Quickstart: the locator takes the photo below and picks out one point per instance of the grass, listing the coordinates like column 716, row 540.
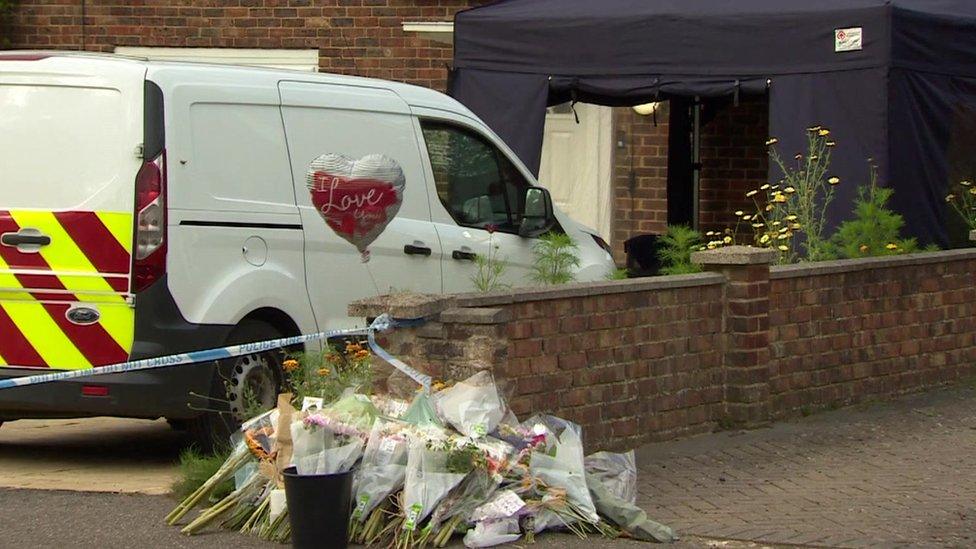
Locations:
column 195, row 468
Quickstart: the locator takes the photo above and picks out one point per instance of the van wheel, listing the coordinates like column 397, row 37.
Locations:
column 241, row 387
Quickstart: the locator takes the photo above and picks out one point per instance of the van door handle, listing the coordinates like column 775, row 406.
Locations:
column 25, row 239
column 464, row 256
column 410, row 249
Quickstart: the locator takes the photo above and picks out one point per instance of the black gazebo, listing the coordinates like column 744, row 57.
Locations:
column 894, row 80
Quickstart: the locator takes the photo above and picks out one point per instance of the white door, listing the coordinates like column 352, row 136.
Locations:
column 479, row 198
column 576, row 163
column 358, row 122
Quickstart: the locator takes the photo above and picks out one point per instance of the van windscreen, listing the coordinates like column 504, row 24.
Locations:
column 64, row 147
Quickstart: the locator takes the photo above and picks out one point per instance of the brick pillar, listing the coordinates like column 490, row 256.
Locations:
column 454, row 343
column 746, row 324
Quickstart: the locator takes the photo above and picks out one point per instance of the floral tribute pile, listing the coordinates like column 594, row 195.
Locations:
column 455, row 462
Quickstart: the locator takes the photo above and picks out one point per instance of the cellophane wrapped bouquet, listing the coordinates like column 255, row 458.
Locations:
column 452, row 462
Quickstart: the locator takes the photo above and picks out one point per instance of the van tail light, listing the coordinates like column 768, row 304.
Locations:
column 149, row 249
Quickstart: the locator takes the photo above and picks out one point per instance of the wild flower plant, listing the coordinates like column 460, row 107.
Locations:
column 962, row 199
column 491, row 266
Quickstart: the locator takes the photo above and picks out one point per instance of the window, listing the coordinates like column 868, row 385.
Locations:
column 477, row 184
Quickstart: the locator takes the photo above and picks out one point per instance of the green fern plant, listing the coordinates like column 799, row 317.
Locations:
column 556, row 259
column 874, row 230
column 675, row 248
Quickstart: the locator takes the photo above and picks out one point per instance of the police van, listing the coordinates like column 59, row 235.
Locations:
column 152, row 208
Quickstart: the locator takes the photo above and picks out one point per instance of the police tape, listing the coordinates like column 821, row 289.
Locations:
column 382, row 323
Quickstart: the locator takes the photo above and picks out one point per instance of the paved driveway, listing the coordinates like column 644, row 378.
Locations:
column 892, row 474
column 895, row 474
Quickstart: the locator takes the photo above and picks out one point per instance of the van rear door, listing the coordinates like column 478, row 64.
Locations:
column 70, row 135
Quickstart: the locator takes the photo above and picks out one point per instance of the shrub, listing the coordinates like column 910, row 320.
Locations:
column 675, row 248
column 874, row 230
column 555, row 259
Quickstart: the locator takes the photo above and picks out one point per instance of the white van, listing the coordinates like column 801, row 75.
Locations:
column 149, row 208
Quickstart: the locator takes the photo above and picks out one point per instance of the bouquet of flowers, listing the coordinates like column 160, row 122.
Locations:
column 473, row 406
column 381, row 474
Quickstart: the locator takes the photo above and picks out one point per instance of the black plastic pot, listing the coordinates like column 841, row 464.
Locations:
column 318, row 509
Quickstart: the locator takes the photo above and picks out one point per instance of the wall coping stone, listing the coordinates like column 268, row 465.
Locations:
column 817, row 268
column 402, row 305
column 735, row 255
column 972, row 235
column 588, row 289
column 471, row 315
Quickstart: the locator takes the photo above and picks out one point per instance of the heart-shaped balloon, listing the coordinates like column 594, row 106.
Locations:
column 357, row 198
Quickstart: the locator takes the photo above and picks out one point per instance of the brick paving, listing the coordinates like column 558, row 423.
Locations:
column 892, row 474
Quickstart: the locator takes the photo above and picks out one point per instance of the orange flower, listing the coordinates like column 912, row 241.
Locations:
column 290, row 365
column 361, row 354
column 324, row 371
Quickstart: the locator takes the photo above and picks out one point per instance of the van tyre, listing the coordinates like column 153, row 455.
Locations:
column 238, row 384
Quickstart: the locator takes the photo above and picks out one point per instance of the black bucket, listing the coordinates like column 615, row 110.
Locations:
column 318, row 509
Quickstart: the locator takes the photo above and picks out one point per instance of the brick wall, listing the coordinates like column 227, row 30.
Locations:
column 734, row 161
column 844, row 332
column 653, row 359
column 362, row 37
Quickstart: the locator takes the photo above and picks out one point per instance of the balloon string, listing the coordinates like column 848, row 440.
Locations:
column 371, row 277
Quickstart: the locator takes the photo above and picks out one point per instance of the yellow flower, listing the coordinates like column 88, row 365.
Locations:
column 727, row 240
column 438, row 385
column 739, row 213
column 779, row 197
column 758, row 225
column 795, row 226
column 290, row 365
column 833, row 180
column 775, row 223
column 769, row 207
column 823, row 132
column 784, row 236
column 892, row 246
column 814, row 129
column 752, row 193
column 830, row 144
column 783, row 230
column 789, row 190
column 746, row 217
column 324, row 371
column 772, row 141
column 972, row 190
column 783, row 248
column 798, row 157
column 864, row 248
column 950, row 197
column 764, row 187
column 965, row 183
column 710, row 233
column 814, row 158
column 791, row 218
column 764, row 239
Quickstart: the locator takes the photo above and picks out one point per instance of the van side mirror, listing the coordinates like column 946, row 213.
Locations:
column 537, row 216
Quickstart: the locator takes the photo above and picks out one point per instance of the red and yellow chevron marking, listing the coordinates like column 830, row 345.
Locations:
column 87, row 262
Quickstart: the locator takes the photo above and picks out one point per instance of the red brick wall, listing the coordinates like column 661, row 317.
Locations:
column 653, row 359
column 363, row 37
column 734, row 161
column 640, row 176
column 841, row 335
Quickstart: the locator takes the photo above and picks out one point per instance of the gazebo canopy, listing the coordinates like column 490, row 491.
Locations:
column 894, row 80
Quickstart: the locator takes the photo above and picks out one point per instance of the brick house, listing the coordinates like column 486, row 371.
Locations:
column 610, row 170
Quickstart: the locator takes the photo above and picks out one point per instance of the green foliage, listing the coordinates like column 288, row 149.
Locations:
column 196, row 468
column 491, row 267
column 807, row 192
column 962, row 199
column 874, row 230
column 556, row 258
column 618, row 274
column 675, row 248
column 328, row 373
